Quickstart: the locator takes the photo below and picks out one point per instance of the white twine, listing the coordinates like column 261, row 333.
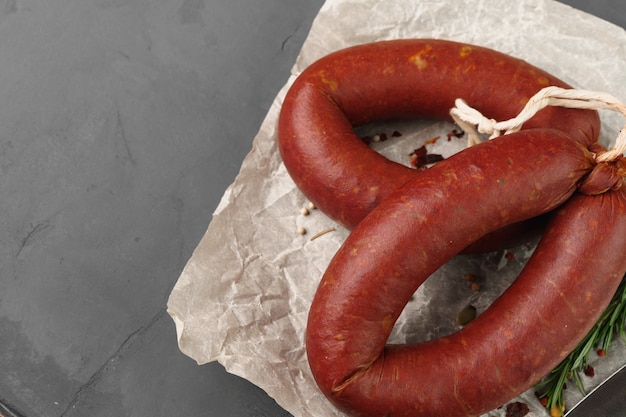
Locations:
column 473, row 122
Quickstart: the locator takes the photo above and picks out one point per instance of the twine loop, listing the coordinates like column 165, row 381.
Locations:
column 474, row 123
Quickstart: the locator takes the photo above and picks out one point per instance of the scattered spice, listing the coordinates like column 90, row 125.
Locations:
column 601, row 352
column 379, row 137
column 590, row 371
column 429, row 159
column 420, row 157
column 466, row 315
column 312, row 206
column 470, row 277
column 418, row 152
column 432, row 140
column 304, row 211
column 323, row 232
column 455, row 133
column 301, row 230
column 510, row 256
column 517, row 409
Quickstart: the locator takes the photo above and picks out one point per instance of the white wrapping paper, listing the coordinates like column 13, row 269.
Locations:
column 243, row 297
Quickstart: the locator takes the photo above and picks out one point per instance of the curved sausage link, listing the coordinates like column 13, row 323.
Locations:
column 399, row 79
column 557, row 298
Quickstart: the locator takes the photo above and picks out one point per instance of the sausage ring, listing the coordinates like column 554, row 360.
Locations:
column 398, row 79
column 553, row 303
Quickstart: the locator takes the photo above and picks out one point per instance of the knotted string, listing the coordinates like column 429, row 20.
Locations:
column 474, row 123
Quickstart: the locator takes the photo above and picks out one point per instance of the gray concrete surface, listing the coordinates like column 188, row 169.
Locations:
column 122, row 122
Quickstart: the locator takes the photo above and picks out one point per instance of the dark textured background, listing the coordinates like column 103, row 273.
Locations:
column 122, row 122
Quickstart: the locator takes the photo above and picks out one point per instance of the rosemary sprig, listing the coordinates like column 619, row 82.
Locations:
column 611, row 322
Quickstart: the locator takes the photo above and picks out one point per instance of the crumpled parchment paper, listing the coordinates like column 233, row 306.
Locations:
column 244, row 295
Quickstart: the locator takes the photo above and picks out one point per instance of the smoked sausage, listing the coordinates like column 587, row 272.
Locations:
column 557, row 298
column 398, row 79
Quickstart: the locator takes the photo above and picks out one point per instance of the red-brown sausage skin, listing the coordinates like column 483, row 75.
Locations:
column 553, row 303
column 399, row 79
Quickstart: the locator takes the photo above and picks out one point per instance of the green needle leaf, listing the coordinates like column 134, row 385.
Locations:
column 600, row 337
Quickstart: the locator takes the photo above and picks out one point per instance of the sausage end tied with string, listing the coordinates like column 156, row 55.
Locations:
column 474, row 123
